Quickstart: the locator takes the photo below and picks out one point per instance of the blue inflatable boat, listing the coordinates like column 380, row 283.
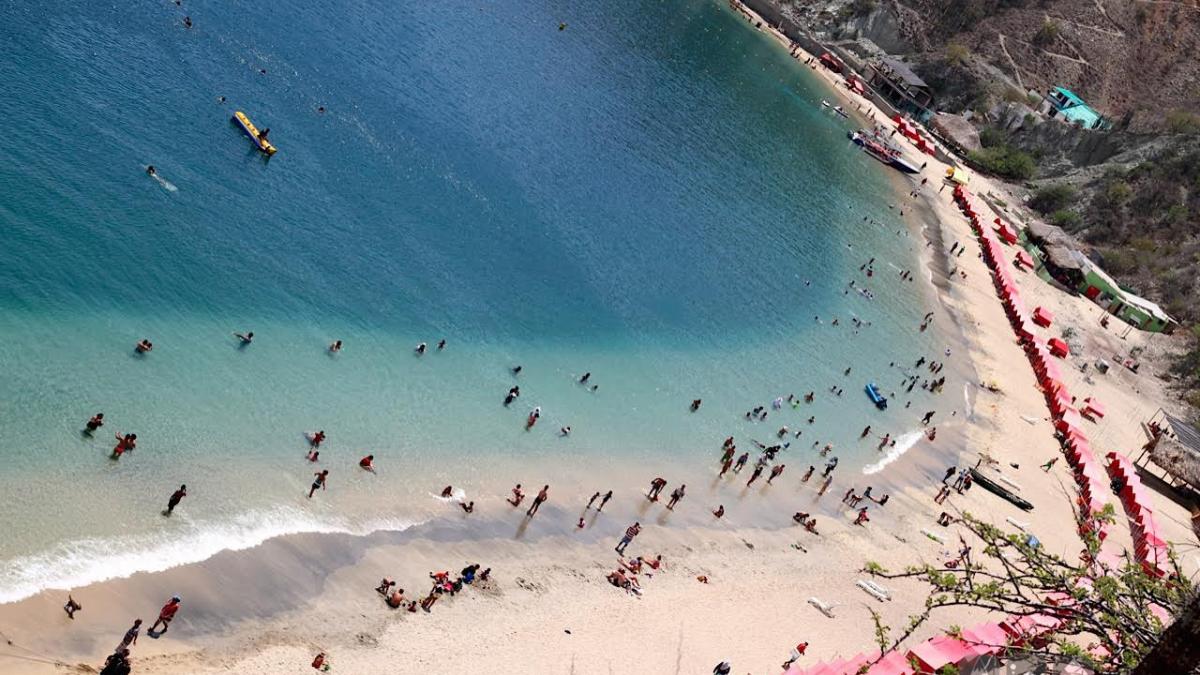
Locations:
column 878, row 399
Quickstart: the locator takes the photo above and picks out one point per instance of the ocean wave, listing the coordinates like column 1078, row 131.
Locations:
column 87, row 561
column 894, row 452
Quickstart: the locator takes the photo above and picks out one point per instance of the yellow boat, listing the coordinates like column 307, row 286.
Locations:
column 247, row 126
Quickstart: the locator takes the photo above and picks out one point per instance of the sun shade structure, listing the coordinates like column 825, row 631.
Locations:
column 1043, row 317
column 1058, row 347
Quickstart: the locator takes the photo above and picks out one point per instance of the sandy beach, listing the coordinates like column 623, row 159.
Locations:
column 548, row 607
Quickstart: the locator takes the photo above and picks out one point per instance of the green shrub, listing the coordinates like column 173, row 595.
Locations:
column 990, row 137
column 1053, row 198
column 1118, row 192
column 1183, row 122
column 1047, row 34
column 957, row 54
column 1068, row 220
column 1005, row 162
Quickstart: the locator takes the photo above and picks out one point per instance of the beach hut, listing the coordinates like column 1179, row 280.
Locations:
column 959, row 176
column 1043, row 317
column 1058, row 347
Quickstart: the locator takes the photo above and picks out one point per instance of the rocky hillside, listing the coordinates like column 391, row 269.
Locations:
column 1135, row 61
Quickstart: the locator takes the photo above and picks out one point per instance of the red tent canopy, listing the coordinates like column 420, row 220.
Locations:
column 1070, row 421
column 894, row 663
column 1043, row 317
column 1057, row 347
column 938, row 652
column 1023, row 258
column 1007, row 233
column 1093, row 407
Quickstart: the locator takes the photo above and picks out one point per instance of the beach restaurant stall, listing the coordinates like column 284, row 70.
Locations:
column 1174, row 448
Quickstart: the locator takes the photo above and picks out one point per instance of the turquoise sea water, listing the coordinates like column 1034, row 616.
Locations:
column 642, row 195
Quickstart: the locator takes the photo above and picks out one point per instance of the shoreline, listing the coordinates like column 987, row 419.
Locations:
column 282, row 551
column 271, row 607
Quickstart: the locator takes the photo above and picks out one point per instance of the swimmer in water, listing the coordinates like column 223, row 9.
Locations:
column 150, row 171
column 565, row 431
column 335, row 347
column 447, row 492
column 533, row 418
column 317, row 438
column 143, row 346
column 420, row 349
column 367, row 463
column 95, row 423
column 313, row 455
column 245, row 339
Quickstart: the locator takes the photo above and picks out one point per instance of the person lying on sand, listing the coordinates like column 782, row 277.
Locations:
column 384, row 586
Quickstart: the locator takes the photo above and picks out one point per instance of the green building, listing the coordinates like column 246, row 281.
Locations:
column 1061, row 262
column 1067, row 105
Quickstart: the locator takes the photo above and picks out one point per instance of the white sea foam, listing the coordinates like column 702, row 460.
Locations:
column 894, row 452
column 87, row 561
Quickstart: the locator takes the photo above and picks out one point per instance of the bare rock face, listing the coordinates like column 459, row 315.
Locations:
column 1135, row 62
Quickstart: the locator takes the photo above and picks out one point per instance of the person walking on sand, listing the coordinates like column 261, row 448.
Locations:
column 630, row 532
column 607, row 496
column 928, row 416
column 175, row 499
column 824, row 487
column 676, row 496
column 775, row 473
column 131, row 636
column 808, row 474
column 949, row 473
column 542, row 496
column 656, row 487
column 166, row 614
column 71, row 607
column 862, row 516
column 1049, row 465
column 797, row 652
column 591, row 501
column 318, row 481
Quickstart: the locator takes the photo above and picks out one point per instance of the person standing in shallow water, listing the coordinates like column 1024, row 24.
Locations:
column 318, row 482
column 176, row 497
column 542, row 496
column 676, row 495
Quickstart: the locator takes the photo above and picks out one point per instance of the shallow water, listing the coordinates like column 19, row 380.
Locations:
column 642, row 195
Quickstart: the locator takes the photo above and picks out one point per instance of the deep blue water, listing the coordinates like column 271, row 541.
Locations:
column 643, row 194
